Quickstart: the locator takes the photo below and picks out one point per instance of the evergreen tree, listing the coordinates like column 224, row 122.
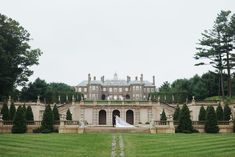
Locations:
column 163, row 116
column 29, row 114
column 220, row 113
column 68, row 115
column 5, row 112
column 202, row 114
column 227, row 112
column 48, row 119
column 24, row 109
column 185, row 123
column 56, row 113
column 211, row 121
column 19, row 122
column 12, row 111
column 176, row 113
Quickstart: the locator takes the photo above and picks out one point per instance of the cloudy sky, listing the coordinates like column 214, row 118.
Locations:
column 130, row 37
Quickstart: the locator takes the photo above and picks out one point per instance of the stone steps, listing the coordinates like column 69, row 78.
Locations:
column 115, row 130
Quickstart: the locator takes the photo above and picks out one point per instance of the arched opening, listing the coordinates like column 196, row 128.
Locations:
column 103, row 97
column 127, row 96
column 102, row 117
column 130, row 117
column 115, row 113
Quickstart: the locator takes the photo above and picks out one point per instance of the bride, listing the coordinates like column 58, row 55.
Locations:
column 122, row 124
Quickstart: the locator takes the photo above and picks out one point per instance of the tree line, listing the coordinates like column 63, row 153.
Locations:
column 201, row 87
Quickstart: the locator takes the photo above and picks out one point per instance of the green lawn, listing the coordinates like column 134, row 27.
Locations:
column 99, row 145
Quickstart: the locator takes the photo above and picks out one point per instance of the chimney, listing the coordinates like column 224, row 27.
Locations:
column 89, row 78
column 153, row 80
column 128, row 79
column 136, row 78
column 102, row 79
column 94, row 78
column 141, row 78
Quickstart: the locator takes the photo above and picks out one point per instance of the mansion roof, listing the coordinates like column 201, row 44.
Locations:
column 115, row 83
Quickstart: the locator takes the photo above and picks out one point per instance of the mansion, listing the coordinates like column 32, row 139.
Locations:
column 116, row 89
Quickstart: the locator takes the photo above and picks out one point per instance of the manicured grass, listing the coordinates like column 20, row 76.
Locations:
column 55, row 145
column 99, row 145
column 180, row 145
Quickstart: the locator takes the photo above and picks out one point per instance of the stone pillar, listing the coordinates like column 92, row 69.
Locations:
column 9, row 101
column 73, row 100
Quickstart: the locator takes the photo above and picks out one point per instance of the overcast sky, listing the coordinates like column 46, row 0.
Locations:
column 129, row 37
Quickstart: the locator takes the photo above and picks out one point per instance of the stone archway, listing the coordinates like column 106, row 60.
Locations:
column 115, row 113
column 130, row 117
column 103, row 97
column 127, row 96
column 102, row 117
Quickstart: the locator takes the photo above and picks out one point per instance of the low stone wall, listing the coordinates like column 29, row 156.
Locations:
column 30, row 128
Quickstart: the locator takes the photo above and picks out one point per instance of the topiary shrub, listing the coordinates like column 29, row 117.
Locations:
column 227, row 112
column 5, row 112
column 176, row 113
column 185, row 123
column 202, row 114
column 12, row 111
column 19, row 122
column 220, row 113
column 48, row 119
column 56, row 114
column 211, row 125
column 68, row 115
column 29, row 114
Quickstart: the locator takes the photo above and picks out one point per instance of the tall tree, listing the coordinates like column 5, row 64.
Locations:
column 227, row 112
column 48, row 119
column 224, row 23
column 56, row 113
column 12, row 111
column 68, row 115
column 217, row 45
column 211, row 125
column 202, row 114
column 220, row 113
column 5, row 112
column 19, row 122
column 16, row 55
column 185, row 123
column 176, row 113
column 163, row 116
column 29, row 114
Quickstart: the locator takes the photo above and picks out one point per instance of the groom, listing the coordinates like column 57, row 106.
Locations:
column 114, row 120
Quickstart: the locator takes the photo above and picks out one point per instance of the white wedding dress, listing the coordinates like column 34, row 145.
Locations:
column 122, row 124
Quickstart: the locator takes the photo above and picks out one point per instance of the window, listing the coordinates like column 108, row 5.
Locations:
column 120, row 90
column 79, row 89
column 85, row 89
column 152, row 89
column 126, row 89
column 115, row 89
column 93, row 88
column 110, row 89
column 104, row 89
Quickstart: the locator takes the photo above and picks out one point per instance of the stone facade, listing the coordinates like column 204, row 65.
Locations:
column 116, row 89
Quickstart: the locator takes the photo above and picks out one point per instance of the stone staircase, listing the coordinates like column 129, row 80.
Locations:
column 106, row 129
